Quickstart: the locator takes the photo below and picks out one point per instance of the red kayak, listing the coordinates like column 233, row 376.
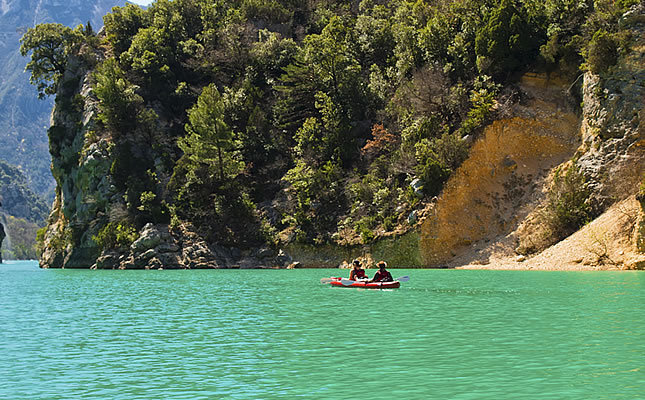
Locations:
column 366, row 285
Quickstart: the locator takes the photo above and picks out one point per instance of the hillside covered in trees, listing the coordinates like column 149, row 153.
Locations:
column 222, row 127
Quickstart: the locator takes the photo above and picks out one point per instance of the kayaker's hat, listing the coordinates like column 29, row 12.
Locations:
column 356, row 262
column 382, row 264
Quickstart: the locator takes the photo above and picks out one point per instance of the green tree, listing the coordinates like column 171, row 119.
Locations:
column 602, row 52
column 210, row 139
column 505, row 44
column 51, row 46
column 118, row 100
column 337, row 69
column 122, row 24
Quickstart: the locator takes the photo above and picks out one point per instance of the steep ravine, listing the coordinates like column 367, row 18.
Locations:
column 496, row 186
column 492, row 201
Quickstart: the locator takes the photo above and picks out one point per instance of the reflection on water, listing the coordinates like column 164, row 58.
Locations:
column 281, row 334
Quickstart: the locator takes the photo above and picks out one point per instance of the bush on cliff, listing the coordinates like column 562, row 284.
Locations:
column 116, row 235
column 602, row 52
column 567, row 205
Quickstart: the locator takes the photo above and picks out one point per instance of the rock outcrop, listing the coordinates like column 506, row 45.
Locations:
column 2, row 236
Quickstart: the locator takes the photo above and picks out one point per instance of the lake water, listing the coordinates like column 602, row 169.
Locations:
column 280, row 334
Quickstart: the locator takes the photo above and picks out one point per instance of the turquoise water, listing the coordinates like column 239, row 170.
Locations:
column 280, row 334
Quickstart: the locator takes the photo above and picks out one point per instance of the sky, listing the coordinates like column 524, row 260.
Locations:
column 142, row 2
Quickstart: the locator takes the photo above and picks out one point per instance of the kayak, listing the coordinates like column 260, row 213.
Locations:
column 366, row 285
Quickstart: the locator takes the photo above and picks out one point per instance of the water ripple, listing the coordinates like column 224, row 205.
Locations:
column 280, row 334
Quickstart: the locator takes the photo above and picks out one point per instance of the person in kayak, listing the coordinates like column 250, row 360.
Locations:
column 382, row 275
column 357, row 272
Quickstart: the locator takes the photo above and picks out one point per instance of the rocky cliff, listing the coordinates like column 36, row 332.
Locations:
column 487, row 211
column 23, row 117
column 88, row 200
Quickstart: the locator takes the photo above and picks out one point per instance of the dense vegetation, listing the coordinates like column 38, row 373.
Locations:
column 309, row 118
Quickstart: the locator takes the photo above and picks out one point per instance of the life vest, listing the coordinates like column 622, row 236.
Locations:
column 382, row 277
column 357, row 274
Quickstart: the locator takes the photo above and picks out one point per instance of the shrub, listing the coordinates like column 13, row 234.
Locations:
column 437, row 158
column 118, row 100
column 364, row 227
column 505, row 44
column 602, row 52
column 116, row 235
column 567, row 205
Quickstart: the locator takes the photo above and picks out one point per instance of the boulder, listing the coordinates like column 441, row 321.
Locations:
column 149, row 238
column 417, row 187
column 141, row 260
column 169, row 260
column 283, row 259
column 108, row 260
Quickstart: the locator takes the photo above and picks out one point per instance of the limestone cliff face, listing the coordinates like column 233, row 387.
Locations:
column 80, row 167
column 87, row 198
column 488, row 195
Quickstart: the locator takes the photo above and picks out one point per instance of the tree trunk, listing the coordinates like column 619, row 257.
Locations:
column 221, row 163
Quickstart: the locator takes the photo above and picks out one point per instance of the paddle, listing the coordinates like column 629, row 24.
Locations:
column 327, row 280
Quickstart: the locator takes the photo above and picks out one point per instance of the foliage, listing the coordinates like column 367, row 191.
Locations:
column 40, row 240
column 482, row 99
column 122, row 24
column 210, row 140
column 382, row 142
column 23, row 239
column 116, row 235
column 50, row 46
column 249, row 117
column 437, row 158
column 506, row 42
column 567, row 205
column 117, row 97
column 602, row 52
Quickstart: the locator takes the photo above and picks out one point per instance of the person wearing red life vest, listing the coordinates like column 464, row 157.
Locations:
column 357, row 272
column 382, row 275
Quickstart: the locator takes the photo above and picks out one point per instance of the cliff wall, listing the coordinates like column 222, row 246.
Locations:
column 487, row 208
